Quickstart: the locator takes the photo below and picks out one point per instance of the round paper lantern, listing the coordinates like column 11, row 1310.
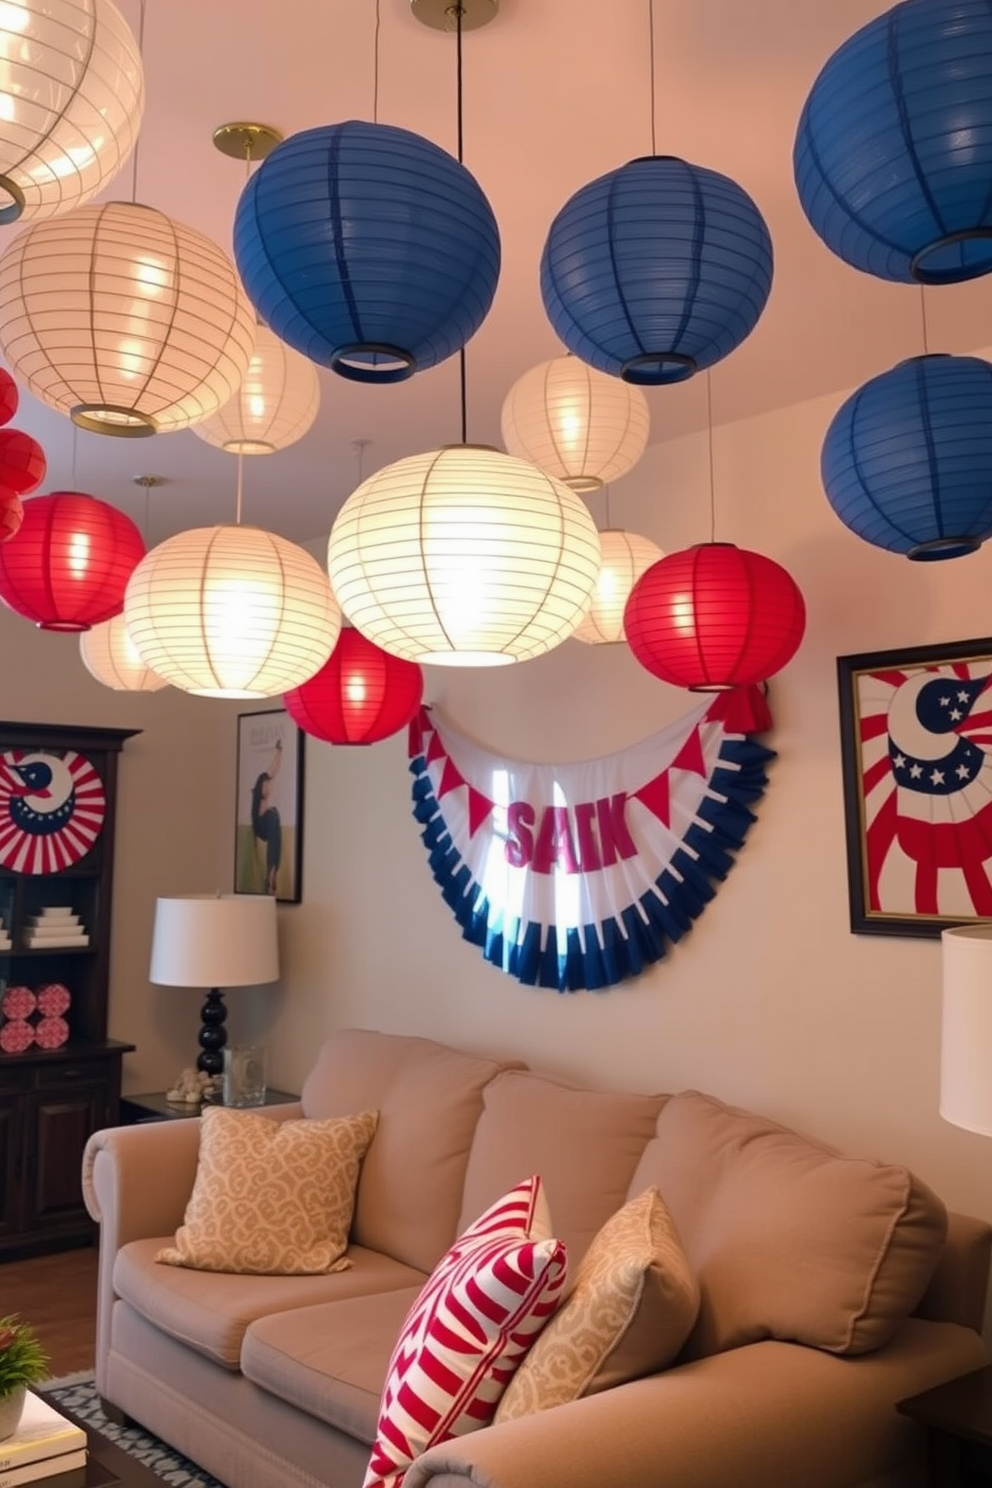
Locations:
column 575, row 423
column 23, row 466
column 9, row 397
column 367, row 248
column 110, row 655
column 124, row 319
column 360, row 695
column 231, row 612
column 11, row 514
column 714, row 617
column 68, row 566
column 71, row 99
column 626, row 555
column 907, row 459
column 275, row 405
column 893, row 154
column 464, row 557
column 656, row 270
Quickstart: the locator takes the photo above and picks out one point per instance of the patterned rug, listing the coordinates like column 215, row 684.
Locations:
column 77, row 1393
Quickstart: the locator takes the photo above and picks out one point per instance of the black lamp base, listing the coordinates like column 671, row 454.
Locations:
column 213, row 1034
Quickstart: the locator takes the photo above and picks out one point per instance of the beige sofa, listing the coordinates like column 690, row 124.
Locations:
column 818, row 1308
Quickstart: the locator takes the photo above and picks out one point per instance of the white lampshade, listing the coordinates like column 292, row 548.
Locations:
column 463, row 556
column 579, row 425
column 231, row 612
column 123, row 319
column 71, row 98
column 966, row 1028
column 215, row 940
column 275, row 405
column 110, row 655
column 626, row 555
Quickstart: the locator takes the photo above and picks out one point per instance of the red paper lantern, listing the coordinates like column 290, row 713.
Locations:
column 11, row 514
column 22, row 461
column 9, row 396
column 360, row 695
column 713, row 617
column 68, row 567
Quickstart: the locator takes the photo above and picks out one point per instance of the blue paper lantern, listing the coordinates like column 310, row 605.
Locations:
column 656, row 270
column 907, row 460
column 893, row 154
column 367, row 248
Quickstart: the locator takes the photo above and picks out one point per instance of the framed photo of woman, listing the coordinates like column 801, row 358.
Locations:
column 268, row 847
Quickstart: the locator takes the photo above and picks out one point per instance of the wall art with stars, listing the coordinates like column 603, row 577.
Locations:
column 916, row 744
column 52, row 809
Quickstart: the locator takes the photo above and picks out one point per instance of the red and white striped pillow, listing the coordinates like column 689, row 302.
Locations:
column 468, row 1330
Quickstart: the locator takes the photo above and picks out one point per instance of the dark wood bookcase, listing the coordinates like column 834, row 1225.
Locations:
column 52, row 1099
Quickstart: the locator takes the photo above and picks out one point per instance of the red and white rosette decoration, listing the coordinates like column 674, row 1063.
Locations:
column 51, row 1033
column 53, row 999
column 16, row 1035
column 52, row 809
column 18, row 1002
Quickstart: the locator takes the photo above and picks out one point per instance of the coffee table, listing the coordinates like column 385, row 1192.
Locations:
column 107, row 1463
column 958, row 1418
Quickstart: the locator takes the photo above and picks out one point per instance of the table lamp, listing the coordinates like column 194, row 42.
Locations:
column 214, row 941
column 966, row 1030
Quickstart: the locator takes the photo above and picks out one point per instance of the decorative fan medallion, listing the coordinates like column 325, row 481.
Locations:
column 52, row 809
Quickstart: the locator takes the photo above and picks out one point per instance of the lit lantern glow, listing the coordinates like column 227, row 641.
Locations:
column 69, row 564
column 124, row 320
column 11, row 514
column 360, row 695
column 275, row 405
column 111, row 657
column 464, row 556
column 575, row 423
column 231, row 612
column 626, row 555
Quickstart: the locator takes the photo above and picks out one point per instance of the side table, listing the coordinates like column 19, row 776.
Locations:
column 155, row 1107
column 958, row 1418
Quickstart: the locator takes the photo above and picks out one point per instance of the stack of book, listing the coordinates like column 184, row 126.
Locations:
column 45, row 1445
column 54, row 927
column 5, row 941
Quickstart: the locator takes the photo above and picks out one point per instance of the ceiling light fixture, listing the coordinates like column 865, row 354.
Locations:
column 361, row 694
column 111, row 657
column 275, row 406
column 626, row 555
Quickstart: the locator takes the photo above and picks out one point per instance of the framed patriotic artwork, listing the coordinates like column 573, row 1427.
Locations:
column 269, row 815
column 916, row 748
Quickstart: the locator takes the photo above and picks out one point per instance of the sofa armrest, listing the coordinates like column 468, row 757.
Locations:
column 765, row 1413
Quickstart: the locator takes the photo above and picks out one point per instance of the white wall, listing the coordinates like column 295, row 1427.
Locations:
column 770, row 1001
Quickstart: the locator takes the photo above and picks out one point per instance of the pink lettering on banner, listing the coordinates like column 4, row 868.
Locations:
column 589, row 836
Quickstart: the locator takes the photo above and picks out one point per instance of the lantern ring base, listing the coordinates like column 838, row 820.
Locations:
column 925, row 266
column 66, row 627
column 713, row 686
column 583, row 483
column 943, row 547
column 15, row 207
column 113, row 418
column 350, row 362
column 655, row 368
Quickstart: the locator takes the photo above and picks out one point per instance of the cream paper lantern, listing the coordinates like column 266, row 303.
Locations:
column 110, row 655
column 124, row 319
column 275, row 405
column 231, row 611
column 464, row 556
column 72, row 93
column 581, row 426
column 626, row 555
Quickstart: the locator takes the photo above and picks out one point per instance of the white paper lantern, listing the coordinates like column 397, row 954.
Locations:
column 110, row 655
column 464, row 556
column 275, row 405
column 124, row 319
column 581, row 426
column 71, row 98
column 626, row 555
column 231, row 612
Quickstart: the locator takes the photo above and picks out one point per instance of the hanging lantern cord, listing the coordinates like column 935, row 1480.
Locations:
column 654, row 144
column 134, row 153
column 463, row 389
column 923, row 317
column 241, row 464
column 375, row 67
column 709, row 427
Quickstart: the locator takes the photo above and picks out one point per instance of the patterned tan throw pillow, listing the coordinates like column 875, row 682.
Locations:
column 631, row 1309
column 272, row 1198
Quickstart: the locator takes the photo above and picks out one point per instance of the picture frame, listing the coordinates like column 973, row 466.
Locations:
column 268, row 838
column 917, row 775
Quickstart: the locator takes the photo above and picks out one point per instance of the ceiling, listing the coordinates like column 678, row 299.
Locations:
column 556, row 92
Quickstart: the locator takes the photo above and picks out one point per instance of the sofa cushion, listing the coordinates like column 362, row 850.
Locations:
column 210, row 1310
column 429, row 1098
column 584, row 1143
column 271, row 1198
column 629, row 1312
column 788, row 1238
column 469, row 1328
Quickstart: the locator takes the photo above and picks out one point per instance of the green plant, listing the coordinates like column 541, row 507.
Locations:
column 23, row 1361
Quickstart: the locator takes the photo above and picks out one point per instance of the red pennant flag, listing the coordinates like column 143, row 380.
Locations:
column 479, row 807
column 656, row 797
column 451, row 778
column 690, row 756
